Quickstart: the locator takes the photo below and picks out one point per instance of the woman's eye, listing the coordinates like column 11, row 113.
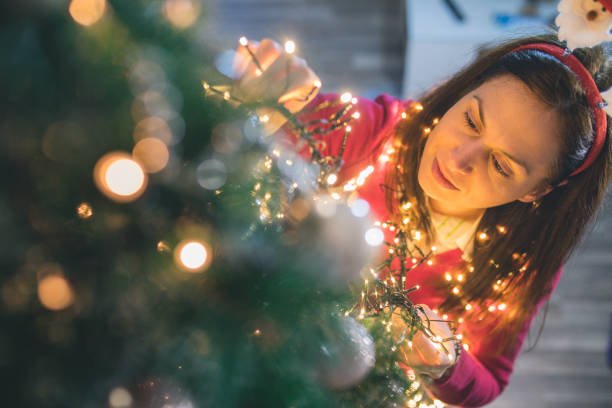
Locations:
column 469, row 122
column 499, row 168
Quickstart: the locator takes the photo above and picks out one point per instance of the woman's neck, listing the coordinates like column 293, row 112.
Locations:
column 450, row 210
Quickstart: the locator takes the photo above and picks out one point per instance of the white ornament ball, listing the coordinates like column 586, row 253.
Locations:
column 349, row 358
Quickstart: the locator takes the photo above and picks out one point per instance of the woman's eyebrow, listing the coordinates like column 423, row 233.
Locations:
column 480, row 111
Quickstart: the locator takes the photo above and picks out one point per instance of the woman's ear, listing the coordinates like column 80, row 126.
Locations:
column 537, row 193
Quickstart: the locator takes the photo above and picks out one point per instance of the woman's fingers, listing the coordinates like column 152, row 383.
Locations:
column 303, row 86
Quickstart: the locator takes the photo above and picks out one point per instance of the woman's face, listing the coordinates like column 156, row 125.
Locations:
column 496, row 145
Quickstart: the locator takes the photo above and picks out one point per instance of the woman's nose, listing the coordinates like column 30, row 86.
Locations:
column 464, row 156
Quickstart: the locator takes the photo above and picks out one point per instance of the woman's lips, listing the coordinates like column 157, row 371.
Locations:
column 437, row 173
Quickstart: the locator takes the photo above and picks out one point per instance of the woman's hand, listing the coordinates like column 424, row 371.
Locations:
column 265, row 72
column 423, row 354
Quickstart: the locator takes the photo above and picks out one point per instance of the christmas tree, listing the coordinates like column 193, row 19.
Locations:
column 157, row 250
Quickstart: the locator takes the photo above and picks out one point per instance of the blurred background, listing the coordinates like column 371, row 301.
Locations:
column 403, row 48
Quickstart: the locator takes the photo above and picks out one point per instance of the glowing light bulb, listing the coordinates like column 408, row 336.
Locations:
column 243, row 41
column 346, row 97
column 289, row 47
column 468, row 307
column 192, row 256
column 87, row 12
column 317, row 83
column 120, row 177
column 84, row 211
column 356, row 115
column 331, row 179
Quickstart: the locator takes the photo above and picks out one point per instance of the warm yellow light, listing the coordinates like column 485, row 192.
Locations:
column 482, row 236
column 55, row 292
column 243, row 41
column 502, row 229
column 87, row 12
column 501, row 306
column 356, row 115
column 460, row 277
column 181, row 13
column 456, row 290
column 120, row 177
column 152, row 153
column 468, row 307
column 492, row 308
column 192, row 256
column 317, row 83
column 84, row 211
column 448, row 276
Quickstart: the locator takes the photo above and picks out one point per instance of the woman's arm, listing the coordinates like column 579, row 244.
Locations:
column 480, row 377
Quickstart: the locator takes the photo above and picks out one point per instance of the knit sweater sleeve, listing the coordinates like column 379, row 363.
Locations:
column 480, row 377
column 369, row 131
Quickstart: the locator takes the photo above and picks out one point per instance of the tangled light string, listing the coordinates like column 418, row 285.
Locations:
column 386, row 293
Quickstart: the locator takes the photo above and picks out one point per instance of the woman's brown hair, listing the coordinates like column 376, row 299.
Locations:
column 526, row 243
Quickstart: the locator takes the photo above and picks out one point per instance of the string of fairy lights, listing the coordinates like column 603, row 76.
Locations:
column 122, row 177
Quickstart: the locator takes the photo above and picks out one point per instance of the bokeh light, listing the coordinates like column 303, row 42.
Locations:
column 153, row 126
column 211, row 174
column 120, row 177
column 84, row 211
column 374, row 236
column 120, row 398
column 87, row 12
column 192, row 256
column 360, row 208
column 325, row 206
column 181, row 13
column 152, row 153
column 55, row 292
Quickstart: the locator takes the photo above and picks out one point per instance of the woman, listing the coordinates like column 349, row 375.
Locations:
column 503, row 166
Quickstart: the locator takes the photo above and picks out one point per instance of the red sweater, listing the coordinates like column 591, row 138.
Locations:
column 480, row 375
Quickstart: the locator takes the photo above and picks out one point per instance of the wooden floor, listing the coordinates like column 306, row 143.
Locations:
column 358, row 45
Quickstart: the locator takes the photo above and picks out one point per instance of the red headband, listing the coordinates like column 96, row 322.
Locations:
column 607, row 4
column 596, row 102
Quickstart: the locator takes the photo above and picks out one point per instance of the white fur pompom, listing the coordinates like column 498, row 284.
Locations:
column 583, row 23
